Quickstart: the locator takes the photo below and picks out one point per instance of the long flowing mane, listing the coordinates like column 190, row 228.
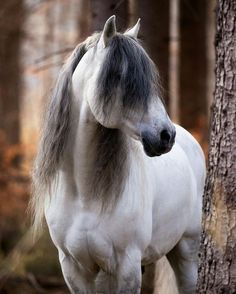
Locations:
column 55, row 133
column 127, row 67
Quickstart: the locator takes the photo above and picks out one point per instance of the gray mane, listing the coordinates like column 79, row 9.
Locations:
column 109, row 167
column 57, row 122
column 127, row 68
column 54, row 136
column 58, row 118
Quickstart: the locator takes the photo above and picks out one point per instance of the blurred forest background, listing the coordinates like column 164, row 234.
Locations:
column 35, row 38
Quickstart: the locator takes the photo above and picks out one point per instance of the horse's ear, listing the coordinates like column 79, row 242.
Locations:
column 133, row 32
column 109, row 31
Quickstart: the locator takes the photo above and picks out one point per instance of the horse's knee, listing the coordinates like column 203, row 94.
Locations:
column 106, row 283
column 118, row 283
column 130, row 284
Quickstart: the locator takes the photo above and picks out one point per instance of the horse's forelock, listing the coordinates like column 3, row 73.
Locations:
column 127, row 67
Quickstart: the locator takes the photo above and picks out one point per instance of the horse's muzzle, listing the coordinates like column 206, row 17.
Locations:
column 158, row 145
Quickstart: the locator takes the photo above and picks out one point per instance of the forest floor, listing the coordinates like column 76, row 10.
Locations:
column 30, row 284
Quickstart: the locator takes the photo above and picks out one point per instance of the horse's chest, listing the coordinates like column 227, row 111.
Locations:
column 90, row 238
column 118, row 231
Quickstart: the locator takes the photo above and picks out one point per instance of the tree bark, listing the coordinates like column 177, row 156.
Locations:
column 217, row 271
column 210, row 57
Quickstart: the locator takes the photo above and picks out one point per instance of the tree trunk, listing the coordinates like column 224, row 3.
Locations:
column 210, row 35
column 174, row 50
column 83, row 19
column 193, row 66
column 102, row 10
column 11, row 18
column 155, row 33
column 52, row 29
column 217, row 272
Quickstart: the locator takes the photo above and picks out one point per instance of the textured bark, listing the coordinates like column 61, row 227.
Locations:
column 11, row 18
column 210, row 57
column 217, row 272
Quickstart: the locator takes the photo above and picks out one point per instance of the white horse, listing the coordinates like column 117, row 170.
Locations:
column 111, row 202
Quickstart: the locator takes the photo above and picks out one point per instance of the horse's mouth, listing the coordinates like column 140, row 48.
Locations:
column 153, row 151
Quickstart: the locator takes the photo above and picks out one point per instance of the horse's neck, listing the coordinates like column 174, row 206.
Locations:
column 100, row 161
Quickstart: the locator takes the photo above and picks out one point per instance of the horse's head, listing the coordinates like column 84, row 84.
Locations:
column 118, row 82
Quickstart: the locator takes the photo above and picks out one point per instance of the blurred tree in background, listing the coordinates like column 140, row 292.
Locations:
column 11, row 36
column 11, row 26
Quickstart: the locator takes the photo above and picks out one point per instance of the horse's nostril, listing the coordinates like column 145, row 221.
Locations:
column 174, row 134
column 165, row 136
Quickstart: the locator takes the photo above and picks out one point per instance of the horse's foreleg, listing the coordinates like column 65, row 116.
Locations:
column 106, row 283
column 78, row 279
column 125, row 279
column 184, row 261
column 129, row 275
